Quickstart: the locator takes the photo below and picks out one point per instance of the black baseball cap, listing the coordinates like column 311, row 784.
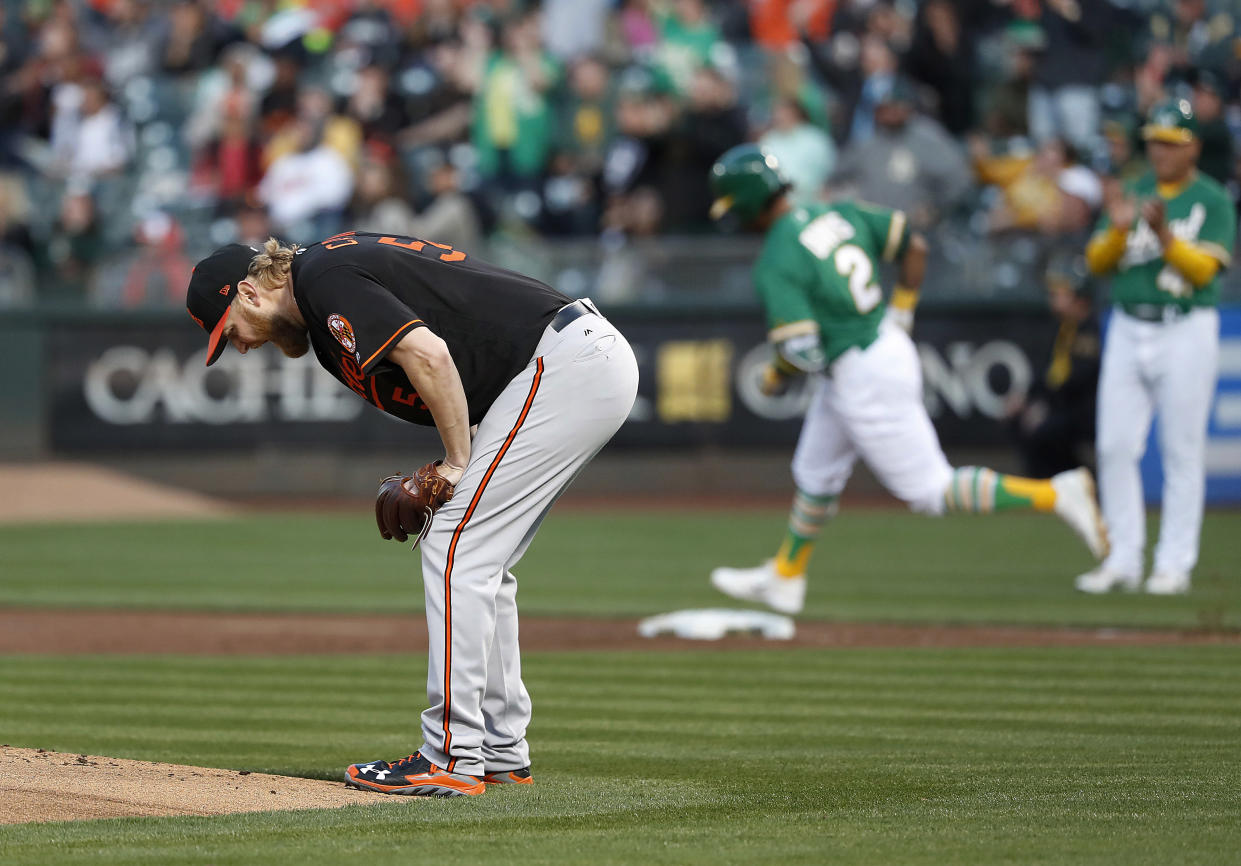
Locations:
column 213, row 285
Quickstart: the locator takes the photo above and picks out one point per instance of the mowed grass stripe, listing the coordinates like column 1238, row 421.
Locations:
column 1158, row 669
column 707, row 691
column 912, row 713
column 1047, row 687
column 699, row 675
column 1162, row 666
column 703, row 834
column 856, row 756
column 267, row 743
column 956, row 719
column 1013, row 568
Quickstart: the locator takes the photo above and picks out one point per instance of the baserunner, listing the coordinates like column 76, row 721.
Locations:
column 818, row 279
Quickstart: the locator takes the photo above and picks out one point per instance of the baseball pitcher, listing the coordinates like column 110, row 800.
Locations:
column 1163, row 242
column 818, row 278
column 433, row 336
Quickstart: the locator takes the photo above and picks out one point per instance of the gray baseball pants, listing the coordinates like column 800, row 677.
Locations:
column 538, row 435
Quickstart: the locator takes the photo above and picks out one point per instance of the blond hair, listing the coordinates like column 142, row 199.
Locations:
column 270, row 268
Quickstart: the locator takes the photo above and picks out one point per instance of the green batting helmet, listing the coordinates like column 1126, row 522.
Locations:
column 1172, row 121
column 744, row 180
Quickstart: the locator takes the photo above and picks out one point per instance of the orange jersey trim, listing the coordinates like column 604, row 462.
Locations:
column 399, row 332
column 452, row 550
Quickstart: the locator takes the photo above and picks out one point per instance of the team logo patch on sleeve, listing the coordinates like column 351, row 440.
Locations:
column 342, row 331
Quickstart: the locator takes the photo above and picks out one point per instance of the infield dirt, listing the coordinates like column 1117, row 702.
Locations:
column 38, row 785
column 43, row 630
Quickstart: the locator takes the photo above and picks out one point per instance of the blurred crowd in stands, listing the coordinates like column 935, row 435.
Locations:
column 162, row 129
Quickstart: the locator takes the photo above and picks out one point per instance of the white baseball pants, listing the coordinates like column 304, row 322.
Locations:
column 870, row 406
column 1169, row 368
column 537, row 436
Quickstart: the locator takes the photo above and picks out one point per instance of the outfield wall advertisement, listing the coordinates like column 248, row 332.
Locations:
column 144, row 387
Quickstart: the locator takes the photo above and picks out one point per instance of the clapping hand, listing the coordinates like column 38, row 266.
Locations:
column 1154, row 213
column 1122, row 212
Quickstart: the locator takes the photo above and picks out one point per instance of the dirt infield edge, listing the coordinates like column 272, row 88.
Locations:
column 39, row 630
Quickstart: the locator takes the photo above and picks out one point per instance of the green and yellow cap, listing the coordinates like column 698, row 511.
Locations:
column 744, row 180
column 1172, row 121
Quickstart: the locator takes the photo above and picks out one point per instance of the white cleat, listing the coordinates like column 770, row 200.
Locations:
column 762, row 584
column 1079, row 508
column 1103, row 579
column 1168, row 583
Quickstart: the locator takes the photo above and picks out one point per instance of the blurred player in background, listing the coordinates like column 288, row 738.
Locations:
column 1054, row 422
column 817, row 276
column 1164, row 242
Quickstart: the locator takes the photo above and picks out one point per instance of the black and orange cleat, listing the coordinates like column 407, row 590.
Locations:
column 412, row 775
column 510, row 777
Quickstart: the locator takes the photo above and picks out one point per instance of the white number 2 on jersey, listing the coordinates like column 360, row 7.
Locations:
column 824, row 237
column 852, row 262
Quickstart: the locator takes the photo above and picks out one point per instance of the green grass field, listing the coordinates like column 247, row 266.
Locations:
column 979, row 756
column 879, row 756
column 870, row 565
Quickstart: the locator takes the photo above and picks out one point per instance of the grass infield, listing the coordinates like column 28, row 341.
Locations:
column 870, row 565
column 1110, row 755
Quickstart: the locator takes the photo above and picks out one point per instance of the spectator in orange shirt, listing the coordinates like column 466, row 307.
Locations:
column 778, row 24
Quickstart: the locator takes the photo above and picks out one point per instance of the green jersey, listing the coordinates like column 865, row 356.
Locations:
column 1202, row 213
column 818, row 275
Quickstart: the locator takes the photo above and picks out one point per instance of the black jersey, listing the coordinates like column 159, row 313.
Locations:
column 360, row 293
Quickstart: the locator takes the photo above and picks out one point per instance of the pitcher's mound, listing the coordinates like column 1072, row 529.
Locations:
column 57, row 491
column 38, row 785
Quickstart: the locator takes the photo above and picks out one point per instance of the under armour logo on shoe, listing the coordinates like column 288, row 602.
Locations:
column 587, row 332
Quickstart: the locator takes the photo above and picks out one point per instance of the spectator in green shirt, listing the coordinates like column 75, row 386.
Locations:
column 688, row 36
column 513, row 119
